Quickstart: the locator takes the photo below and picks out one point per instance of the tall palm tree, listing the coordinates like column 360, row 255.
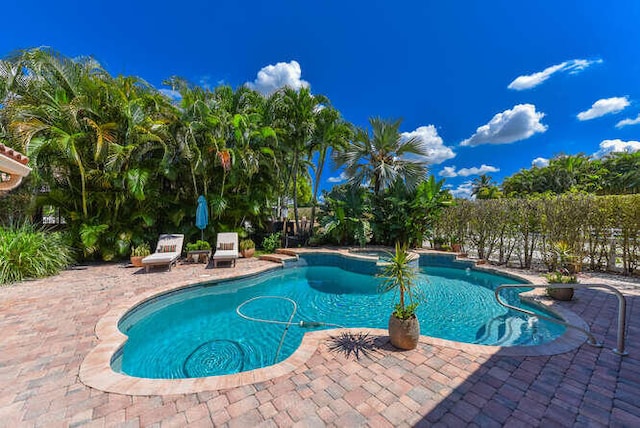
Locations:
column 331, row 132
column 381, row 158
column 295, row 113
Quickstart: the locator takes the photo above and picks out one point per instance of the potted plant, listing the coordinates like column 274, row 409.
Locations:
column 198, row 246
column 247, row 248
column 558, row 277
column 400, row 276
column 138, row 253
column 197, row 250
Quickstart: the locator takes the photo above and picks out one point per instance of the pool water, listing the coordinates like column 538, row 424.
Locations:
column 196, row 332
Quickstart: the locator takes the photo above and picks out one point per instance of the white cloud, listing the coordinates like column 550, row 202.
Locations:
column 604, row 106
column 540, row 162
column 463, row 191
column 519, row 123
column 172, row 94
column 273, row 77
column 450, row 171
column 465, row 172
column 626, row 122
column 532, row 80
column 615, row 146
column 432, row 143
column 529, row 81
column 339, row 179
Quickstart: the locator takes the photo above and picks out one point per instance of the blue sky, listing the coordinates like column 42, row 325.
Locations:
column 490, row 85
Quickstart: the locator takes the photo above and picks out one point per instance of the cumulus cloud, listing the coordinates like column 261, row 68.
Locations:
column 484, row 169
column 339, row 179
column 450, row 171
column 626, row 122
column 463, row 190
column 604, row 106
column 519, row 123
column 172, row 94
column 273, row 77
column 540, row 162
column 616, row 146
column 529, row 81
column 432, row 143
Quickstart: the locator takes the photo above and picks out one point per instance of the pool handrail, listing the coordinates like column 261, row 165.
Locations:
column 622, row 310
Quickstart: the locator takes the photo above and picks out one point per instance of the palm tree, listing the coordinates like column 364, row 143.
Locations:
column 484, row 188
column 380, row 159
column 331, row 132
column 53, row 110
column 295, row 113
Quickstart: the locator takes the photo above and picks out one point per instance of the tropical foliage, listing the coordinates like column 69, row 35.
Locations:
column 122, row 162
column 26, row 252
column 615, row 174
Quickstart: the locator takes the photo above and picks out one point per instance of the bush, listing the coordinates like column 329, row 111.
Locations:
column 141, row 250
column 247, row 244
column 271, row 242
column 29, row 253
column 199, row 245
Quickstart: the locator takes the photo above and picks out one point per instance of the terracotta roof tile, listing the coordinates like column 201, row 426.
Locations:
column 12, row 154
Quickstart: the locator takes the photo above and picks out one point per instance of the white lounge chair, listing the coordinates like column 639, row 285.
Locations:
column 226, row 248
column 167, row 252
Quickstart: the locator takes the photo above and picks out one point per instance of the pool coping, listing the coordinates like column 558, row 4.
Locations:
column 96, row 372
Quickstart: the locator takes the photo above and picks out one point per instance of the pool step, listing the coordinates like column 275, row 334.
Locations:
column 281, row 258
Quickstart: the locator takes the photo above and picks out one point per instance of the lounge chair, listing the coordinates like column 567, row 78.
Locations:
column 167, row 252
column 226, row 248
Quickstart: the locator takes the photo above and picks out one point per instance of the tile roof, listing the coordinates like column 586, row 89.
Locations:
column 12, row 154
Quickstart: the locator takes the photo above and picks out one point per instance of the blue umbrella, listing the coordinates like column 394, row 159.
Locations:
column 202, row 215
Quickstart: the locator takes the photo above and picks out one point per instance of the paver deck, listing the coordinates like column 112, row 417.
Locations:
column 47, row 328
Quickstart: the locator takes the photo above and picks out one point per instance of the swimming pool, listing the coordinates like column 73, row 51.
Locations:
column 196, row 332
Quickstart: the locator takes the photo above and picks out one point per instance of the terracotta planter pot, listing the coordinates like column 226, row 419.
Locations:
column 136, row 260
column 404, row 334
column 248, row 253
column 563, row 294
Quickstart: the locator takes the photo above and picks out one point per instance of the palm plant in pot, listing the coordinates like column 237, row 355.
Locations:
column 247, row 248
column 138, row 253
column 400, row 276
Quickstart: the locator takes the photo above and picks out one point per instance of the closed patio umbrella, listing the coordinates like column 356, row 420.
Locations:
column 202, row 215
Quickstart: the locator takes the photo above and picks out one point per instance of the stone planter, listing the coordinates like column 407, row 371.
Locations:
column 404, row 334
column 248, row 253
column 136, row 260
column 562, row 294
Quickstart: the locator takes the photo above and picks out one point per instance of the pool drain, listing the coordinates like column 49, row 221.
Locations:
column 213, row 358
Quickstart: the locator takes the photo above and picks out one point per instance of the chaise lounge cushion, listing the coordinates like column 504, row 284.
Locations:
column 227, row 248
column 167, row 252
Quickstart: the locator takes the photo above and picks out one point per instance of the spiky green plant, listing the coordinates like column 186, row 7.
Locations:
column 26, row 252
column 400, row 276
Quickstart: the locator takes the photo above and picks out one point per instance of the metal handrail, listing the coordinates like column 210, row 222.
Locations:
column 622, row 310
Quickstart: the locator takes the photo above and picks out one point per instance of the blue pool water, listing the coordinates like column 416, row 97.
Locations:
column 197, row 332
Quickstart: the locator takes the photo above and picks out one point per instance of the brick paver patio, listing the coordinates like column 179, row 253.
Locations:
column 48, row 328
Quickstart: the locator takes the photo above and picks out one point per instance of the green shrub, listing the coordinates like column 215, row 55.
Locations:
column 141, row 250
column 199, row 245
column 561, row 278
column 26, row 252
column 271, row 242
column 247, row 244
